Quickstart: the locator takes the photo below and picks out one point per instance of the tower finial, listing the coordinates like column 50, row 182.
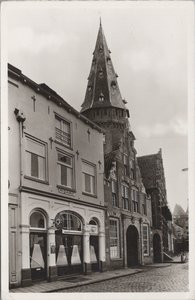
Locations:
column 100, row 22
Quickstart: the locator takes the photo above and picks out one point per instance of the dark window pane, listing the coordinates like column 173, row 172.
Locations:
column 87, row 183
column 34, row 165
column 63, row 175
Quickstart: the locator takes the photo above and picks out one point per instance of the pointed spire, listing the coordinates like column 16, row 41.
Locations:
column 102, row 79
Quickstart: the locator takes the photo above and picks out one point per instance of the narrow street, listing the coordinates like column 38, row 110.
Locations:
column 173, row 278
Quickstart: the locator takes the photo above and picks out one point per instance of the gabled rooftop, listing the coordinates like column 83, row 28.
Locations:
column 48, row 93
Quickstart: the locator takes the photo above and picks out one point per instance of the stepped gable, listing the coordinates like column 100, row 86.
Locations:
column 102, row 89
column 147, row 165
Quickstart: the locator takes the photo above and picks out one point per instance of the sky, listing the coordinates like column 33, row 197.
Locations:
column 53, row 43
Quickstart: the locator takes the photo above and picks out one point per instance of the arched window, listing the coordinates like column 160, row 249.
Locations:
column 68, row 221
column 93, row 222
column 37, row 220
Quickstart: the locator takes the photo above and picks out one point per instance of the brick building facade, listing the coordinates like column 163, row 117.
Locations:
column 128, row 209
column 152, row 172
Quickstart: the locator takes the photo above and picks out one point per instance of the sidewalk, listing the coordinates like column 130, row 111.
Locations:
column 79, row 280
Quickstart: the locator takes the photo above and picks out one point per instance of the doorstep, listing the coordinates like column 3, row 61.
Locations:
column 75, row 281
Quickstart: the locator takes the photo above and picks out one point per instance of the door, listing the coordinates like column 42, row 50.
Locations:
column 132, row 246
column 69, row 253
column 94, row 253
column 157, row 248
column 38, row 255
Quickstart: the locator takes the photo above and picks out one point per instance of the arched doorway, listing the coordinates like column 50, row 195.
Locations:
column 38, row 245
column 157, row 248
column 94, row 245
column 132, row 237
column 69, row 243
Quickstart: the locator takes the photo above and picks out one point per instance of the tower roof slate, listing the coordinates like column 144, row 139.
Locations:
column 102, row 89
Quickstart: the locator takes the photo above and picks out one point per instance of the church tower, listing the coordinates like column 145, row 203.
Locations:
column 103, row 103
column 128, row 217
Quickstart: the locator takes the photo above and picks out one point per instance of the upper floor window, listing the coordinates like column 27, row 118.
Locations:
column 144, row 207
column 65, row 169
column 35, row 158
column 125, row 161
column 114, row 239
column 89, row 178
column 114, row 193
column 63, row 131
column 125, row 196
column 134, row 196
column 145, row 239
column 132, row 169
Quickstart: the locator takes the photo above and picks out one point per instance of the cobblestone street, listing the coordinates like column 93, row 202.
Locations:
column 173, row 278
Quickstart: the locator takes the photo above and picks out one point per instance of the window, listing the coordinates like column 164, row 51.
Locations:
column 65, row 170
column 114, row 193
column 125, row 196
column 114, row 239
column 125, row 161
column 144, row 208
column 37, row 220
column 132, row 169
column 134, row 196
column 35, row 156
column 63, row 132
column 145, row 240
column 89, row 178
column 71, row 222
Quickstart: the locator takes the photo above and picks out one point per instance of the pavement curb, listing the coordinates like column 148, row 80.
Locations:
column 93, row 281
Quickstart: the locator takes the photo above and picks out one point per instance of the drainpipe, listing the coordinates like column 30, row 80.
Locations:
column 141, row 244
column 20, row 118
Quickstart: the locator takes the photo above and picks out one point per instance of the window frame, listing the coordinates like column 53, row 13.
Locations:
column 117, row 238
column 132, row 168
column 146, row 240
column 93, row 176
column 135, row 200
column 38, row 228
column 114, row 193
column 59, row 140
column 72, row 167
column 45, row 159
column 125, row 200
column 125, row 163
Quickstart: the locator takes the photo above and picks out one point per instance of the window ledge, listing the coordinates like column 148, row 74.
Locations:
column 116, row 259
column 90, row 195
column 36, row 179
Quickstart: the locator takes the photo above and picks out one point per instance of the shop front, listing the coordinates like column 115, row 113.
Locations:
column 69, row 244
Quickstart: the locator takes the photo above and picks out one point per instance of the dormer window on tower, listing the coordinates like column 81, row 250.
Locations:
column 101, row 97
column 101, row 74
column 113, row 85
column 100, row 48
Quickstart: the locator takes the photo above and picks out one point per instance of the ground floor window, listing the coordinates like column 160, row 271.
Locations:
column 145, row 240
column 114, row 238
column 69, row 253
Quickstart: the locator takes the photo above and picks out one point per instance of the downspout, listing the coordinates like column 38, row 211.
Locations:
column 141, row 239
column 20, row 118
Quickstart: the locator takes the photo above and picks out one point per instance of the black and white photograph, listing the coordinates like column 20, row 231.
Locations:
column 97, row 137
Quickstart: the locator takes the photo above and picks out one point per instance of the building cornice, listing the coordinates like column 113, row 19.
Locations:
column 25, row 189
